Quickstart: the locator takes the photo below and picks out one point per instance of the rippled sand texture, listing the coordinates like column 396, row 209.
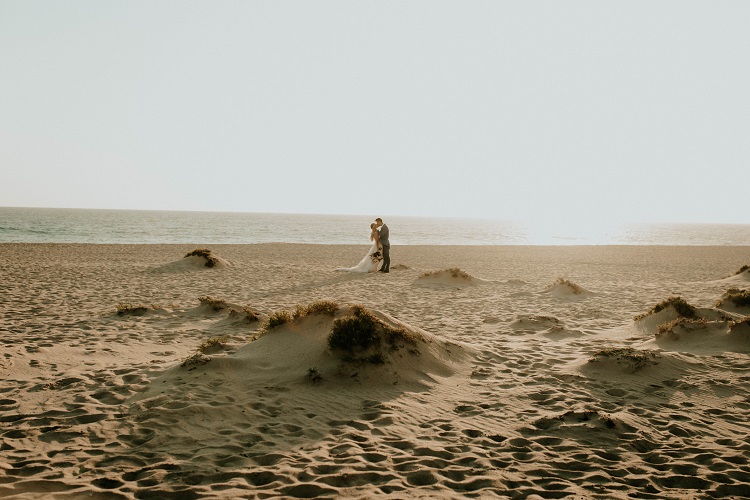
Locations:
column 527, row 375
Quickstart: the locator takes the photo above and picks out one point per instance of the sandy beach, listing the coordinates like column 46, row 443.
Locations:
column 130, row 371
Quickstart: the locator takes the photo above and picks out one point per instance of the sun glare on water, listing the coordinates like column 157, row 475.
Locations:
column 571, row 231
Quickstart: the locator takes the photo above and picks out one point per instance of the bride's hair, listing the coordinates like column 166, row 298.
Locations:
column 372, row 226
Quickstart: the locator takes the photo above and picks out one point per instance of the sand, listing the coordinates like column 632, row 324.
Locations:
column 528, row 379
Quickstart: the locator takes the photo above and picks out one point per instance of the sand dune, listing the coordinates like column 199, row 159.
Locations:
column 452, row 277
column 567, row 290
column 200, row 259
column 485, row 391
column 736, row 301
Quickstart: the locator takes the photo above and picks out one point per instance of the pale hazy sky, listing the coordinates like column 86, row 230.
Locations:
column 627, row 111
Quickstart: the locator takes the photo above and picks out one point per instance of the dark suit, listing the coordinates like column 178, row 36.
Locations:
column 383, row 230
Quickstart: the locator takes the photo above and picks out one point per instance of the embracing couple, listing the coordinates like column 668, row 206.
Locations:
column 378, row 258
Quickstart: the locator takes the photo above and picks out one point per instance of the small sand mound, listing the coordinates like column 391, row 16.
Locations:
column 246, row 315
column 561, row 332
column 704, row 337
column 234, row 315
column 209, row 259
column 735, row 300
column 198, row 259
column 624, row 359
column 350, row 347
column 129, row 309
column 211, row 305
column 577, row 419
column 671, row 309
column 453, row 277
column 741, row 276
column 566, row 290
column 535, row 323
column 213, row 345
column 399, row 267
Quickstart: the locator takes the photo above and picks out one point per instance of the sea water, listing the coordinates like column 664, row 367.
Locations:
column 56, row 225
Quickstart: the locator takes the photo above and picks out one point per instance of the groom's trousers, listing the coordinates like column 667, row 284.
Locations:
column 386, row 258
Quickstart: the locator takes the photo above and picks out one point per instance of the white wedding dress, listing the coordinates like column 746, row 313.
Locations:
column 368, row 264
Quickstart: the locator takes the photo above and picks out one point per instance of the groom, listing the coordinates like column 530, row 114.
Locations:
column 383, row 230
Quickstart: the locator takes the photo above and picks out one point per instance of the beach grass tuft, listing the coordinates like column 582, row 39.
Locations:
column 742, row 270
column 453, row 271
column 669, row 327
column 740, row 298
column 195, row 360
column 279, row 318
column 247, row 314
column 362, row 337
column 129, row 309
column 635, row 359
column 214, row 304
column 328, row 307
column 212, row 343
column 679, row 304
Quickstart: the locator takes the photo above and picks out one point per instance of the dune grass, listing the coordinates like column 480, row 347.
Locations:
column 211, row 260
column 742, row 270
column 195, row 360
column 453, row 271
column 279, row 318
column 215, row 304
column 212, row 342
column 129, row 309
column 740, row 298
column 635, row 359
column 248, row 314
column 670, row 326
column 328, row 307
column 679, row 304
column 363, row 337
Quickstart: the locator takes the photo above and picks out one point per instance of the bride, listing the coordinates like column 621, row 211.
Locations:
column 374, row 258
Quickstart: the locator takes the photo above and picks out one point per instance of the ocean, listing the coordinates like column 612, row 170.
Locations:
column 56, row 225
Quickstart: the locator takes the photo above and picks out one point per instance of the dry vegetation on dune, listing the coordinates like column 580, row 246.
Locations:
column 211, row 259
column 634, row 359
column 213, row 343
column 453, row 271
column 742, row 270
column 690, row 323
column 279, row 318
column 362, row 337
column 195, row 360
column 740, row 298
column 679, row 304
column 129, row 309
column 215, row 304
column 328, row 307
column 247, row 314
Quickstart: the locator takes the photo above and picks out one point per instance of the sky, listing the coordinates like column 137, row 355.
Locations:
column 542, row 111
